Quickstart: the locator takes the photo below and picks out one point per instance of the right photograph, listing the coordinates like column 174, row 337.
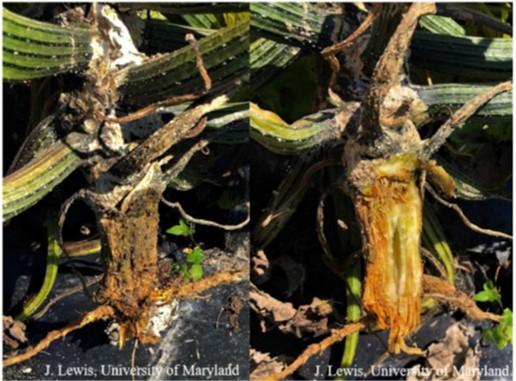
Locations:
column 381, row 190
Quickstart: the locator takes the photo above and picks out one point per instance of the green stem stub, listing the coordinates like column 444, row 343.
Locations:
column 53, row 254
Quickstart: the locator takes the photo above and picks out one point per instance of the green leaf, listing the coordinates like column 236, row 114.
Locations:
column 182, row 229
column 185, row 271
column 506, row 317
column 479, row 58
column 500, row 335
column 489, row 294
column 207, row 21
column 196, row 256
column 155, row 15
column 196, row 272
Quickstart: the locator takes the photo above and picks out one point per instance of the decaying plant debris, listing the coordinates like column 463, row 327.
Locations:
column 387, row 167
column 442, row 356
column 129, row 179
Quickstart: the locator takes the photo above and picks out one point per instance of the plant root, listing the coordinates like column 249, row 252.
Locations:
column 467, row 222
column 190, row 38
column 319, row 227
column 100, row 313
column 338, row 268
column 87, row 197
column 200, row 221
column 336, row 336
column 189, row 290
column 66, row 293
column 152, row 108
column 199, row 127
column 444, row 291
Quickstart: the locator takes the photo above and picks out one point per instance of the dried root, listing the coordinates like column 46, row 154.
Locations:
column 189, row 290
column 337, row 336
column 203, row 222
column 190, row 38
column 66, row 293
column 151, row 109
column 467, row 222
column 444, row 291
column 100, row 313
column 130, row 329
column 319, row 227
column 87, row 197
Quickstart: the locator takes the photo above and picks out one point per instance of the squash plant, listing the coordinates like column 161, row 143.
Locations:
column 397, row 127
column 132, row 122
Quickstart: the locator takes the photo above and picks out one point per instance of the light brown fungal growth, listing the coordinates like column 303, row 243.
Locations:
column 389, row 209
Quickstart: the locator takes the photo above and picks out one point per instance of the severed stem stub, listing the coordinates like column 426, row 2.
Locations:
column 386, row 161
column 128, row 220
column 382, row 166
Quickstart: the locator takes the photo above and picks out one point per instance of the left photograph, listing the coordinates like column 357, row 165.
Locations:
column 125, row 191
